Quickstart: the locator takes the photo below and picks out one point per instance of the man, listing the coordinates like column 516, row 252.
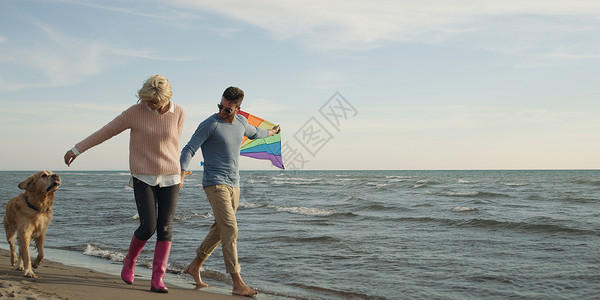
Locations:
column 220, row 138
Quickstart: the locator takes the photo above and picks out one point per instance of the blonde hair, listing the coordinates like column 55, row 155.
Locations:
column 156, row 89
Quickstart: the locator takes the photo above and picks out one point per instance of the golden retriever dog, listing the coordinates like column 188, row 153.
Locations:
column 28, row 216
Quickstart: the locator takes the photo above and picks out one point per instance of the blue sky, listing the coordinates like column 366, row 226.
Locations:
column 353, row 84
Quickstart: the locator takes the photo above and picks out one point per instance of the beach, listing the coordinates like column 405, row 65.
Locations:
column 324, row 235
column 58, row 281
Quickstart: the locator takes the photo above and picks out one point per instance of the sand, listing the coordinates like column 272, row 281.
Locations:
column 57, row 281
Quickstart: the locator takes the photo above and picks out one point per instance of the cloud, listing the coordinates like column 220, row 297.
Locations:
column 264, row 106
column 164, row 13
column 326, row 79
column 339, row 25
column 58, row 59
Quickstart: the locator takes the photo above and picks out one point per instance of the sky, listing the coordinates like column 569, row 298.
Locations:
column 390, row 85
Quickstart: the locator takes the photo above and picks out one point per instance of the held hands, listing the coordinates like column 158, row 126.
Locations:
column 69, row 157
column 183, row 174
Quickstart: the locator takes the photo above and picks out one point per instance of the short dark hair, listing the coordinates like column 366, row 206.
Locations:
column 234, row 94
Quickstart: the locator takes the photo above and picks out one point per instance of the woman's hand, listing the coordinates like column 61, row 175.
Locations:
column 69, row 157
column 183, row 174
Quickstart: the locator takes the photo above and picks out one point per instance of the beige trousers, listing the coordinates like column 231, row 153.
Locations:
column 224, row 200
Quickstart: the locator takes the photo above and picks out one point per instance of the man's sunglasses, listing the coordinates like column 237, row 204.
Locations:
column 221, row 107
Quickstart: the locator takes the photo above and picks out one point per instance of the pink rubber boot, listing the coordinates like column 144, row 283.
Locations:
column 129, row 261
column 159, row 266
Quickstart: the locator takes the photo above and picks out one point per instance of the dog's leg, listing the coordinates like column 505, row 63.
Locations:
column 39, row 244
column 24, row 241
column 10, row 237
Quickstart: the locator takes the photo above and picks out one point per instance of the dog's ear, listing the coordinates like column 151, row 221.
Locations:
column 26, row 184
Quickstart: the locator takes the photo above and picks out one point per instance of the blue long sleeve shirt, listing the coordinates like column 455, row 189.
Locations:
column 220, row 142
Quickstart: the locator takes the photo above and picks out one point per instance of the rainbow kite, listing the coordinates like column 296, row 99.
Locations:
column 267, row 148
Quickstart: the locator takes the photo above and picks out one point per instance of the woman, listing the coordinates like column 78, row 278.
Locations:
column 156, row 124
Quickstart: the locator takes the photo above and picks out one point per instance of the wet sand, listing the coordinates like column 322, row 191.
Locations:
column 57, row 281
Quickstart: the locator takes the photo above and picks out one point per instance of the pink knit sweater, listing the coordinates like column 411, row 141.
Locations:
column 153, row 141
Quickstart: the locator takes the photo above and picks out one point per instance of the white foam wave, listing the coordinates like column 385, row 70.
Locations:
column 399, row 179
column 514, row 184
column 185, row 217
column 282, row 180
column 463, row 208
column 91, row 250
column 466, row 181
column 396, row 178
column 249, row 205
column 135, row 217
column 347, row 179
column 309, row 211
column 377, row 184
column 462, row 194
column 420, row 183
column 299, row 181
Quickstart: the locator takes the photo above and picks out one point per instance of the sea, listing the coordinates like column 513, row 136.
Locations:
column 463, row 234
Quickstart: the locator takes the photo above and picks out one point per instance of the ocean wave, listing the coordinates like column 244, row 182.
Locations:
column 485, row 278
column 287, row 180
column 392, row 178
column 299, row 210
column 581, row 199
column 475, row 194
column 533, row 226
column 347, row 179
column 514, row 184
column 377, row 185
column 424, row 183
column 76, row 174
column 589, row 181
column 381, row 207
column 187, row 215
column 251, row 205
column 536, row 197
column 93, row 250
column 184, row 216
column 96, row 251
column 463, row 209
column 313, row 239
column 336, row 294
column 467, row 181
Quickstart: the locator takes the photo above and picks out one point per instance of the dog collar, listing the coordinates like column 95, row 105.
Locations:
column 31, row 206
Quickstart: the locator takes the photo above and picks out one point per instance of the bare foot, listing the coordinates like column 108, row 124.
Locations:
column 240, row 288
column 195, row 272
column 244, row 291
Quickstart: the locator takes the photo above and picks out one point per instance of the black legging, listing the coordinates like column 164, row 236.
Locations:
column 149, row 201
